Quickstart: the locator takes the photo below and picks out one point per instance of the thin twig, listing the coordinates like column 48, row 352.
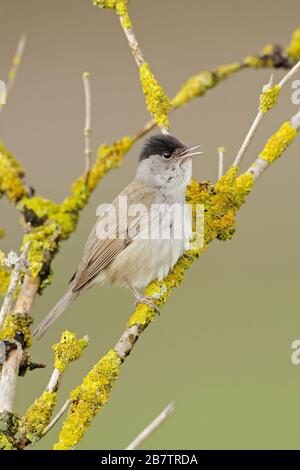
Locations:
column 15, row 66
column 253, row 129
column 133, row 43
column 289, row 75
column 54, row 381
column 261, row 114
column 153, row 426
column 88, row 119
column 221, row 152
column 57, row 417
column 19, row 264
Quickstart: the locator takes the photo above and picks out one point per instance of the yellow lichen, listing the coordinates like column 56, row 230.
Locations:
column 157, row 102
column 5, row 442
column 4, row 275
column 108, row 157
column 11, row 174
column 223, row 71
column 199, row 84
column 221, row 203
column 160, row 291
column 120, row 6
column 268, row 50
column 38, row 416
column 293, row 48
column 53, row 222
column 4, row 281
column 42, row 240
column 1, row 233
column 268, row 98
column 16, row 327
column 88, row 399
column 279, row 142
column 121, row 10
column 105, row 3
column 195, row 86
column 254, row 61
column 69, row 349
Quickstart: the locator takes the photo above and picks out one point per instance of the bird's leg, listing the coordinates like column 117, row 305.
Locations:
column 141, row 299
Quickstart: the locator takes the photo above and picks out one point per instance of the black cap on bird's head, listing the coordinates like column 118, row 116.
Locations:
column 166, row 146
column 161, row 145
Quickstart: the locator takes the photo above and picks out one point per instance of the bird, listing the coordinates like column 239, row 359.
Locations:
column 122, row 253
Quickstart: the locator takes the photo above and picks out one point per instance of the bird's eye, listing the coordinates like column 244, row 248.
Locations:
column 166, row 155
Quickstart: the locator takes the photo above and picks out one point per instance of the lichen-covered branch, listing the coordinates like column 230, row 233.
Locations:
column 48, row 224
column 18, row 265
column 37, row 418
column 222, row 202
column 268, row 99
column 11, row 177
column 157, row 102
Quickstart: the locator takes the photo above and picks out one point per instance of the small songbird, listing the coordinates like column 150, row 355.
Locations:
column 121, row 256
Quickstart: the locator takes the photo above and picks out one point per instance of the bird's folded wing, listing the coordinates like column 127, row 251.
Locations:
column 101, row 248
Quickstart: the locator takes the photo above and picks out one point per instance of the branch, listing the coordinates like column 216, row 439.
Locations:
column 36, row 422
column 268, row 100
column 157, row 102
column 18, row 265
column 15, row 66
column 8, row 383
column 275, row 146
column 222, row 202
column 57, row 417
column 52, row 223
column 153, row 426
column 221, row 152
column 87, row 127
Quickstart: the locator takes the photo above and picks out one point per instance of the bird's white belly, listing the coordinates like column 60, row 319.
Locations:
column 145, row 260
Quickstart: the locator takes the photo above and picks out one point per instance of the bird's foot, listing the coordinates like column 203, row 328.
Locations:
column 147, row 301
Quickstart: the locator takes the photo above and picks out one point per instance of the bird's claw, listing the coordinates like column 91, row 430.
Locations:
column 149, row 302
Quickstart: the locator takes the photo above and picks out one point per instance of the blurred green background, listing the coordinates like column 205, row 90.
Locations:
column 221, row 348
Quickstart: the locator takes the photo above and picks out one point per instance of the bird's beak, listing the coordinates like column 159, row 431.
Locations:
column 189, row 152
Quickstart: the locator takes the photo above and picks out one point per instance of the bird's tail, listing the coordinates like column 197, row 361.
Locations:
column 57, row 310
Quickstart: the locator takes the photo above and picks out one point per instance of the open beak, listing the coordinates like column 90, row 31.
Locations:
column 189, row 152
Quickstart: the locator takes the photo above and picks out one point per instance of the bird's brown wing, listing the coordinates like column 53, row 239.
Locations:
column 99, row 250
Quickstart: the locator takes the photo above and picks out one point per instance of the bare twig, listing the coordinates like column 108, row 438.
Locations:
column 221, row 152
column 15, row 66
column 19, row 264
column 54, row 381
column 88, row 119
column 296, row 120
column 289, row 75
column 133, row 43
column 57, row 417
column 153, row 426
column 253, row 129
